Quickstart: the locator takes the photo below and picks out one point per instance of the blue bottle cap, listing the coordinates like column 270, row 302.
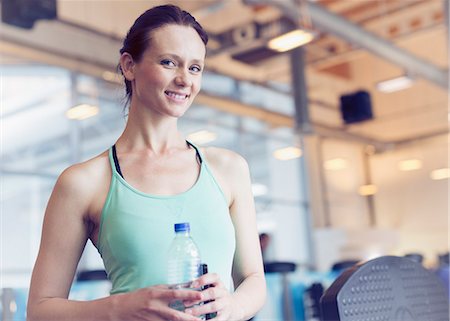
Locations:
column 182, row 227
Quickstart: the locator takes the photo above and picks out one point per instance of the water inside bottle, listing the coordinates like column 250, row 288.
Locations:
column 178, row 304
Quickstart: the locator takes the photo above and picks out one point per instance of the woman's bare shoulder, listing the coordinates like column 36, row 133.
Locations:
column 225, row 159
column 85, row 176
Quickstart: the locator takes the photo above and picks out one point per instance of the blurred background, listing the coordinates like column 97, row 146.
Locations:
column 346, row 135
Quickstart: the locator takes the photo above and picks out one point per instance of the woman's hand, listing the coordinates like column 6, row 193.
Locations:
column 216, row 299
column 152, row 303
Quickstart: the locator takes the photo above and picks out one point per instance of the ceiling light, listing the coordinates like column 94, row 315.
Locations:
column 82, row 111
column 395, row 84
column 202, row 137
column 259, row 189
column 441, row 173
column 13, row 307
column 366, row 190
column 410, row 165
column 112, row 77
column 335, row 164
column 291, row 40
column 287, row 153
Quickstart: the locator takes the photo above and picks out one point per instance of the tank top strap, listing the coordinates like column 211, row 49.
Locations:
column 197, row 151
column 114, row 160
column 204, row 163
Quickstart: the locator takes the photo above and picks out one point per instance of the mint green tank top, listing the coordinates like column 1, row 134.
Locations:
column 137, row 228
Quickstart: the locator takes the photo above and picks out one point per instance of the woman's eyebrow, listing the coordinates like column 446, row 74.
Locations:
column 179, row 58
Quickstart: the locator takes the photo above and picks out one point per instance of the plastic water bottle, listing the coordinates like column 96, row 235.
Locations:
column 183, row 262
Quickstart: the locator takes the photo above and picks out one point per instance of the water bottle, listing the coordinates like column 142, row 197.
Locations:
column 183, row 262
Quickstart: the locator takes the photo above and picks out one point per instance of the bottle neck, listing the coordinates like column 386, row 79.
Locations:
column 182, row 233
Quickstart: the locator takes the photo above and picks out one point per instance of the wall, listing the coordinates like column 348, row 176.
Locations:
column 411, row 202
column 411, row 209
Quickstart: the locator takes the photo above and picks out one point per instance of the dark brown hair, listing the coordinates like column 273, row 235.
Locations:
column 138, row 37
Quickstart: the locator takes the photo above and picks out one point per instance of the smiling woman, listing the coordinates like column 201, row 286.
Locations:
column 138, row 38
column 167, row 77
column 127, row 199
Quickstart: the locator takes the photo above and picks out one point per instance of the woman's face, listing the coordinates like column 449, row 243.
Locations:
column 169, row 75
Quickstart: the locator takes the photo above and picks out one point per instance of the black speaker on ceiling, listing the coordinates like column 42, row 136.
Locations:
column 356, row 107
column 24, row 13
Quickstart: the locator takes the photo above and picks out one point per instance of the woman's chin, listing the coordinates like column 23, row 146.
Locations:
column 177, row 113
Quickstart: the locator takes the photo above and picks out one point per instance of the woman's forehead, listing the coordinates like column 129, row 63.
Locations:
column 177, row 39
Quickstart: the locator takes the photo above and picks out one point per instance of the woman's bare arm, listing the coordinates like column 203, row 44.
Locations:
column 233, row 174
column 64, row 235
column 248, row 272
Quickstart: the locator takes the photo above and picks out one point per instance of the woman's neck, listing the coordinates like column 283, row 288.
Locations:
column 159, row 134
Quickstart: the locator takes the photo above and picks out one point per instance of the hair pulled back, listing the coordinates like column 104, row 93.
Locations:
column 138, row 37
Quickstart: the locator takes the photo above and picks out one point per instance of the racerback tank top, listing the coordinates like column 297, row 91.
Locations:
column 136, row 229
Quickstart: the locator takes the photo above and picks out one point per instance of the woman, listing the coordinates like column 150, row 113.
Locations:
column 127, row 199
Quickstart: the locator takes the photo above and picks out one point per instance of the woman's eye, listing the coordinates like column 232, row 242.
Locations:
column 167, row 62
column 196, row 68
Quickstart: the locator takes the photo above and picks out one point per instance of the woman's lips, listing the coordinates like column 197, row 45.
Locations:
column 176, row 96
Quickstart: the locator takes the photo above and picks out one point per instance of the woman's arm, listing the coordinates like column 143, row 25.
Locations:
column 248, row 271
column 64, row 235
column 233, row 174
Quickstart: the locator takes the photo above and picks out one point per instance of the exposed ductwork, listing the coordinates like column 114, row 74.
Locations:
column 334, row 24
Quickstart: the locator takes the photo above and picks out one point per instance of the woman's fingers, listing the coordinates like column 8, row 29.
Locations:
column 207, row 279
column 190, row 303
column 172, row 295
column 206, row 295
column 214, row 297
column 213, row 293
column 214, row 301
column 184, row 295
column 210, row 307
column 209, row 294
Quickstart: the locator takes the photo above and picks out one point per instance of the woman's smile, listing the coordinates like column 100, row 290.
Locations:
column 177, row 96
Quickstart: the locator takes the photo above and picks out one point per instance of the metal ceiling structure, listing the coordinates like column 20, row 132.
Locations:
column 334, row 24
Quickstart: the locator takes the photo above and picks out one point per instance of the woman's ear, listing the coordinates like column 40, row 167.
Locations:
column 127, row 66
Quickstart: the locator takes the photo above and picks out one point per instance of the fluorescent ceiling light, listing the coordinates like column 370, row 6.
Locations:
column 410, row 165
column 82, row 111
column 395, row 84
column 287, row 153
column 366, row 190
column 13, row 307
column 441, row 173
column 335, row 164
column 112, row 77
column 259, row 189
column 202, row 137
column 290, row 40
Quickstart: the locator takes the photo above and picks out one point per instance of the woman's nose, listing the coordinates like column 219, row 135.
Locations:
column 183, row 79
